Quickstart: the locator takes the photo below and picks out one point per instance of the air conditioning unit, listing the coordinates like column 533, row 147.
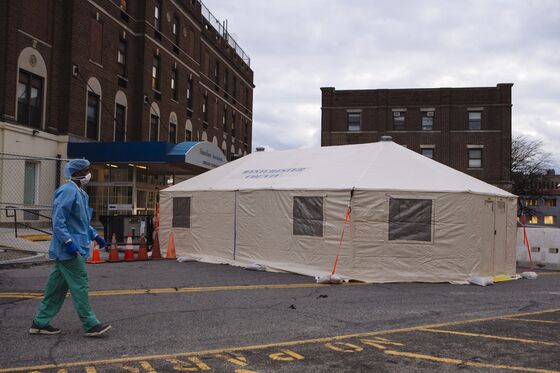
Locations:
column 145, row 99
column 396, row 113
column 430, row 113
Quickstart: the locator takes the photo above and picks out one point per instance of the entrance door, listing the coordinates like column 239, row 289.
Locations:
column 500, row 229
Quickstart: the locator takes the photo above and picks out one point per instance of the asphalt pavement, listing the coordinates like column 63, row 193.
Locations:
column 171, row 316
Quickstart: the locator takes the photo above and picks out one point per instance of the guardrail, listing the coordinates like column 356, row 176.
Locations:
column 12, row 212
column 222, row 30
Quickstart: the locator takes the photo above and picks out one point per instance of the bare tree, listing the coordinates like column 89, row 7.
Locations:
column 529, row 163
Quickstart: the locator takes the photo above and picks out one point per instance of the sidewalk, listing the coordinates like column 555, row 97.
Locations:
column 18, row 250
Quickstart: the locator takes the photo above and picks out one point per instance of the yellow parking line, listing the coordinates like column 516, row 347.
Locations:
column 531, row 320
column 207, row 289
column 489, row 336
column 266, row 346
column 446, row 360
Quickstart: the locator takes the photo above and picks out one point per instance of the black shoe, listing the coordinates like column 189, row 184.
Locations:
column 49, row 330
column 97, row 330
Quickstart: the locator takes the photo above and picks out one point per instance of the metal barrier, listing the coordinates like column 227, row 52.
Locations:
column 34, row 211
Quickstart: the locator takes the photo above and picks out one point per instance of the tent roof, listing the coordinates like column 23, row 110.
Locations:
column 383, row 165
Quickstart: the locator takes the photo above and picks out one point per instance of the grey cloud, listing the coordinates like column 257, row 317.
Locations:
column 298, row 46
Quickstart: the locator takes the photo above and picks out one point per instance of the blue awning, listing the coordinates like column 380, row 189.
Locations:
column 197, row 153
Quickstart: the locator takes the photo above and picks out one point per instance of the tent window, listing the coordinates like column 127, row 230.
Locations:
column 410, row 219
column 308, row 216
column 182, row 212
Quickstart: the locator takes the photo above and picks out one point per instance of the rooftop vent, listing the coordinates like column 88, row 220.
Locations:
column 260, row 149
column 386, row 138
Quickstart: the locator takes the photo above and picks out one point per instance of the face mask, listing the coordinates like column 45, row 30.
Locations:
column 83, row 179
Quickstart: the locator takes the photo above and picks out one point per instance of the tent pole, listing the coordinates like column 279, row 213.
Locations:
column 235, row 225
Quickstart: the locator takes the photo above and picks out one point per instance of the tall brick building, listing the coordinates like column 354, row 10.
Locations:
column 468, row 129
column 115, row 72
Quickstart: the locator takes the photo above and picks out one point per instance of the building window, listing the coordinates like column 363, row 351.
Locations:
column 246, row 132
column 172, row 133
column 157, row 15
column 190, row 95
column 475, row 118
column 550, row 219
column 156, row 72
column 174, row 83
column 217, row 74
column 188, row 135
column 154, row 127
column 30, row 99
column 232, row 123
column 246, row 97
column 226, row 81
column 548, row 202
column 234, row 88
column 531, row 202
column 122, row 5
column 475, row 158
column 427, row 120
column 308, row 216
column 224, row 120
column 410, row 219
column 354, row 120
column 533, row 219
column 399, row 120
column 120, row 122
column 92, row 120
column 205, row 109
column 176, row 29
column 428, row 152
column 121, row 56
column 181, row 212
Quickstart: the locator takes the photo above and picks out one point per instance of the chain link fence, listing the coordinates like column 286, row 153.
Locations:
column 27, row 184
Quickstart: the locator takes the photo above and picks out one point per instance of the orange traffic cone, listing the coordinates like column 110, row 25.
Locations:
column 114, row 252
column 95, row 257
column 143, row 249
column 129, row 252
column 156, row 251
column 171, row 247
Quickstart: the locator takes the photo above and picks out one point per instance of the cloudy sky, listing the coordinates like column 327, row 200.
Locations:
column 298, row 46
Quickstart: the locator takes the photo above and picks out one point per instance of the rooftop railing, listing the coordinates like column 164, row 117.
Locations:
column 222, row 30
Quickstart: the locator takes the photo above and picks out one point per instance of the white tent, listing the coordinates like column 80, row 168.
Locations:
column 412, row 219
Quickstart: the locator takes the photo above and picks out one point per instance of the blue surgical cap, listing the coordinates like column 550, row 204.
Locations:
column 74, row 166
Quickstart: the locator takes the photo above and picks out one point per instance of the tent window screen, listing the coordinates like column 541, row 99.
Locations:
column 182, row 212
column 308, row 216
column 410, row 219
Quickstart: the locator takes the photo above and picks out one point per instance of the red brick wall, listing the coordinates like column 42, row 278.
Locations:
column 66, row 25
column 450, row 133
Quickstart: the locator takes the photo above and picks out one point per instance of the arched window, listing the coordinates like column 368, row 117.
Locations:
column 121, row 107
column 154, row 122
column 93, row 109
column 215, row 141
column 172, row 128
column 204, row 136
column 31, row 88
column 188, row 131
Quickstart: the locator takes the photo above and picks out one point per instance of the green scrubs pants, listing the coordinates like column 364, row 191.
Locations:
column 67, row 275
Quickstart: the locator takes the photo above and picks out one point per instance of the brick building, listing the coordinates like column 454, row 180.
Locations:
column 543, row 207
column 117, row 71
column 468, row 129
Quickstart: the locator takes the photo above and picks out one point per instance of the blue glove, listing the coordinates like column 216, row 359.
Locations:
column 100, row 241
column 72, row 248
